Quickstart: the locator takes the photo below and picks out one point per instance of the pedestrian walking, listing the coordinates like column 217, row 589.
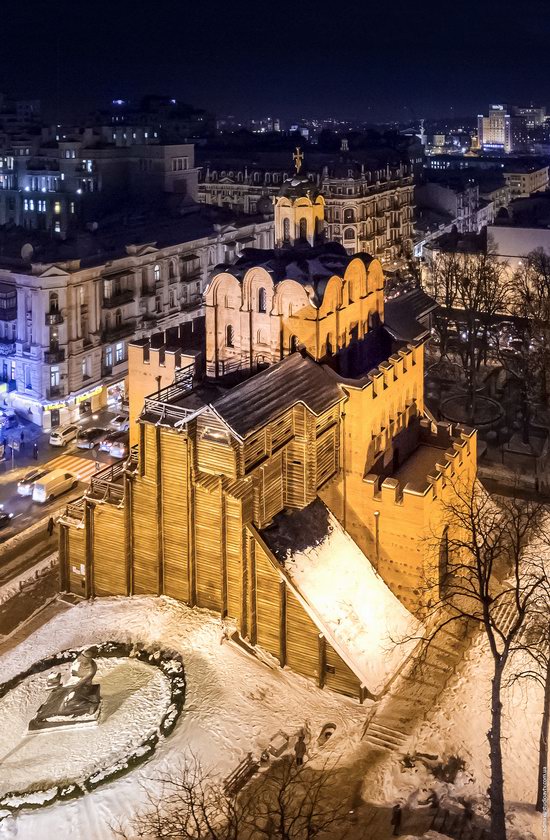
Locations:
column 396, row 816
column 300, row 749
column 35, row 451
column 22, row 439
column 51, row 525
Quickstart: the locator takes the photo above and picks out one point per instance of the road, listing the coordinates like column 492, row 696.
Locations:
column 81, row 462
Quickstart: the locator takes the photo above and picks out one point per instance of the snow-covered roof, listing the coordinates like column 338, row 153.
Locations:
column 349, row 601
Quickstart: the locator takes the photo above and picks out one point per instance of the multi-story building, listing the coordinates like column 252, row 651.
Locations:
column 458, row 197
column 58, row 185
column 525, row 179
column 305, row 503
column 495, row 131
column 368, row 210
column 66, row 318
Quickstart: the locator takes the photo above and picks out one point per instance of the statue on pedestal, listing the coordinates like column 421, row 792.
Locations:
column 77, row 701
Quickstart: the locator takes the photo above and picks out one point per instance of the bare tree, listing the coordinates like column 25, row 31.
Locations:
column 286, row 801
column 472, row 289
column 531, row 661
column 489, row 575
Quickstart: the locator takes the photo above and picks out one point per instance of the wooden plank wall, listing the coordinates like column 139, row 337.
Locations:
column 238, row 513
column 208, row 542
column 271, row 489
column 76, row 560
column 216, row 451
column 145, row 521
column 175, row 516
column 326, row 455
column 302, row 639
column 343, row 680
column 268, row 607
column 109, row 567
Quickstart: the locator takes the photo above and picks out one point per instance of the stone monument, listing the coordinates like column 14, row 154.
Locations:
column 75, row 702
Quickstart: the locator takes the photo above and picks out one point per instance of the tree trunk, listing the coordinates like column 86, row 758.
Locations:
column 542, row 788
column 496, row 788
column 525, row 411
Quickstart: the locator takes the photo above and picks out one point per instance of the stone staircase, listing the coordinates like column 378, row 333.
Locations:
column 416, row 691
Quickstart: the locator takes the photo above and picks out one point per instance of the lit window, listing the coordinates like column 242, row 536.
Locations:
column 156, row 272
column 119, row 352
column 57, row 207
column 57, row 227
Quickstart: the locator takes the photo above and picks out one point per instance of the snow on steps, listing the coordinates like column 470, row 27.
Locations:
column 383, row 737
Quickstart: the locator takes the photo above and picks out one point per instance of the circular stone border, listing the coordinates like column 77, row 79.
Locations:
column 482, row 398
column 171, row 665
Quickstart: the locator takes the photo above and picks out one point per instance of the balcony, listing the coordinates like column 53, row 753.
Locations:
column 54, row 317
column 54, row 357
column 119, row 331
column 125, row 296
column 7, row 347
column 54, row 392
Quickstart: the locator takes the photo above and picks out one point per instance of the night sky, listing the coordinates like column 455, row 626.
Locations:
column 354, row 59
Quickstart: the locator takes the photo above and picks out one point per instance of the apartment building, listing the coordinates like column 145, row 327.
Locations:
column 66, row 318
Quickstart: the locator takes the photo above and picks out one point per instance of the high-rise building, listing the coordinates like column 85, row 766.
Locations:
column 494, row 130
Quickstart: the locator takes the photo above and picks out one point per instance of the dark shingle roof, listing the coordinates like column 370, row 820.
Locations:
column 296, row 379
column 401, row 314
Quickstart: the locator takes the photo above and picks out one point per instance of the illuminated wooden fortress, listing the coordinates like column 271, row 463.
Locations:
column 285, row 473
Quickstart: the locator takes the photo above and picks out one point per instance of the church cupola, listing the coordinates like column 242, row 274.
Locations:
column 299, row 209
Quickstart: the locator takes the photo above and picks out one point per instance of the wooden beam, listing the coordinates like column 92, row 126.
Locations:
column 128, row 534
column 64, row 584
column 322, row 660
column 89, row 547
column 160, row 535
column 282, row 623
column 252, row 579
column 223, row 554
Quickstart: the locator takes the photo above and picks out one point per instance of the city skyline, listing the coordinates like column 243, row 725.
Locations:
column 391, row 63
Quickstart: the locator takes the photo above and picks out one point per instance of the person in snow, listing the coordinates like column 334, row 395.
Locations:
column 300, row 749
column 51, row 524
column 396, row 816
column 35, row 451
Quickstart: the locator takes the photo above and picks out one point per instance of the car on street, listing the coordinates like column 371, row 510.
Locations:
column 121, row 446
column 120, row 422
column 26, row 485
column 5, row 518
column 111, row 440
column 8, row 419
column 88, row 438
column 52, row 485
column 64, row 435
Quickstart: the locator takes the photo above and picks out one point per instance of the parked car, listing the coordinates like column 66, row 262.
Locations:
column 8, row 419
column 26, row 485
column 64, row 435
column 121, row 446
column 88, row 438
column 112, row 438
column 5, row 518
column 121, row 422
column 52, row 485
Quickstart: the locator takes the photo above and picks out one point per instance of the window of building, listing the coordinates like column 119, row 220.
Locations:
column 229, row 336
column 54, row 378
column 303, row 228
column 349, row 233
column 172, row 299
column 27, row 372
column 156, row 272
column 118, row 318
column 109, row 356
column 71, row 207
column 286, row 230
column 262, row 300
column 180, row 164
column 85, row 368
column 41, row 206
column 54, row 302
column 158, row 305
column 171, row 270
column 119, row 352
column 260, row 337
column 57, row 208
column 349, row 215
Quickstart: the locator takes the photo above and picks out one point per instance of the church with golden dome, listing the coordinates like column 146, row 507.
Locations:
column 285, row 472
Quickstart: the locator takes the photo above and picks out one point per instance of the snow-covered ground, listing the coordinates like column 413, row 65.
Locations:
column 458, row 726
column 234, row 704
column 10, row 589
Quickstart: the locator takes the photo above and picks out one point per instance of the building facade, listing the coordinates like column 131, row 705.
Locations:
column 366, row 210
column 65, row 327
column 495, row 130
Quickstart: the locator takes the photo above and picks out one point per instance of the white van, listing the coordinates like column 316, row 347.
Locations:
column 52, row 485
column 64, row 435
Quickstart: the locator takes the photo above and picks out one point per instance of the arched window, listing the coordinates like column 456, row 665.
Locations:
column 229, row 336
column 286, row 230
column 262, row 300
column 156, row 272
column 260, row 337
column 349, row 233
column 118, row 318
column 171, row 270
column 303, row 228
column 349, row 215
column 54, row 302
